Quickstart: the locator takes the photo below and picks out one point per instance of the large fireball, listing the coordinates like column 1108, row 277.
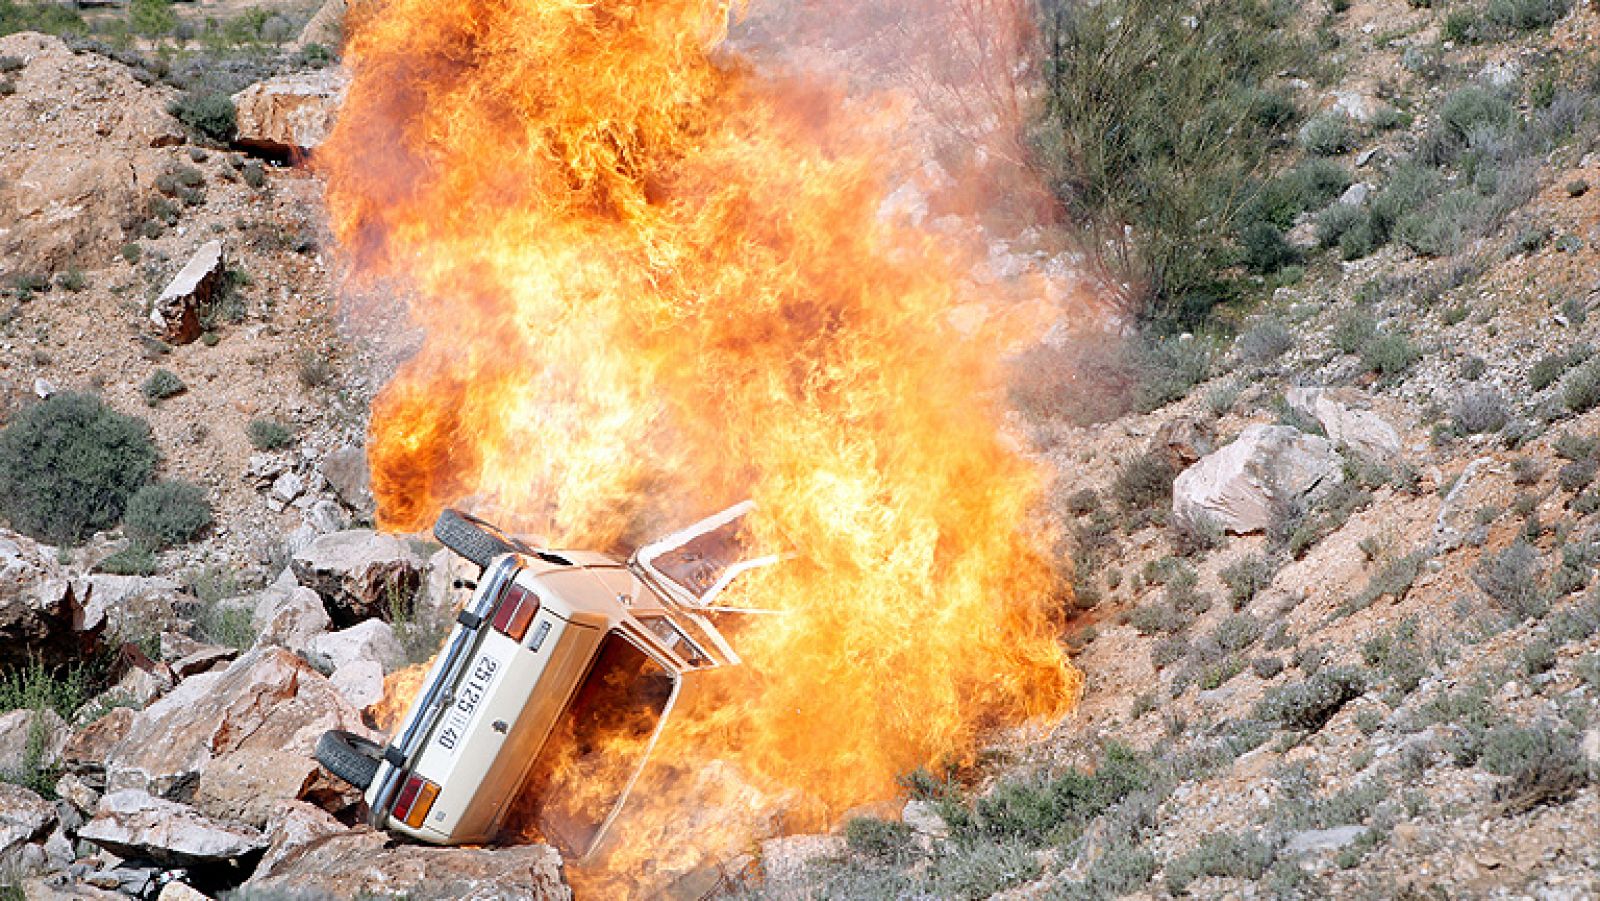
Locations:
column 654, row 281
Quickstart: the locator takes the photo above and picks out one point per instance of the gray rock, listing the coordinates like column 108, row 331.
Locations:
column 1241, row 486
column 1356, row 194
column 372, row 640
column 347, row 864
column 347, row 472
column 293, row 825
column 324, row 516
column 924, row 819
column 1365, row 156
column 76, row 792
column 24, row 817
column 20, row 729
column 1313, row 840
column 287, row 487
column 290, row 619
column 266, row 703
column 358, row 573
column 176, row 315
column 787, row 860
column 133, row 824
column 360, row 681
column 129, row 604
column 1346, row 415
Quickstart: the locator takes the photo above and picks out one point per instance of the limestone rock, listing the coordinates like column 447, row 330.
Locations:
column 125, row 602
column 78, row 160
column 291, row 620
column 41, row 619
column 176, row 315
column 347, row 864
column 360, row 681
column 266, row 703
column 293, row 825
column 86, row 752
column 24, row 817
column 1324, row 839
column 290, row 114
column 1346, row 415
column 131, row 823
column 786, row 860
column 1240, row 486
column 245, row 786
column 348, row 473
column 1184, row 440
column 20, row 728
column 372, row 640
column 326, row 27
column 358, row 572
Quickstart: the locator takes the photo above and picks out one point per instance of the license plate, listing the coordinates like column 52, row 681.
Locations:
column 471, row 693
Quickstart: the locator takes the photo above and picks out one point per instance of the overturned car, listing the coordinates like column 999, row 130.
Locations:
column 552, row 688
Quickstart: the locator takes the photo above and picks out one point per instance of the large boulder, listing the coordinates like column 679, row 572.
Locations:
column 41, row 619
column 370, row 640
column 291, row 618
column 350, row 476
column 348, row 864
column 1346, row 415
column 290, row 114
column 78, row 159
column 293, row 825
column 176, row 314
column 24, row 817
column 266, row 710
column 129, row 605
column 86, row 752
column 1240, row 487
column 133, row 824
column 31, row 739
column 358, row 573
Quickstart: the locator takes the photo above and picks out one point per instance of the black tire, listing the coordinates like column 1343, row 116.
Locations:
column 471, row 537
column 349, row 756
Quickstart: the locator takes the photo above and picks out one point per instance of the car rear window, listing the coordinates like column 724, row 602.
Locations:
column 596, row 747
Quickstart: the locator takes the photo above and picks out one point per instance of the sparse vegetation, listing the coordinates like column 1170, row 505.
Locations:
column 164, row 514
column 162, row 384
column 268, row 434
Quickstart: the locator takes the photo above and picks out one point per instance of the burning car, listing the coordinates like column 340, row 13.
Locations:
column 556, row 680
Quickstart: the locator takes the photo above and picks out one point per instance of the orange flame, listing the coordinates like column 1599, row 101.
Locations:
column 653, row 282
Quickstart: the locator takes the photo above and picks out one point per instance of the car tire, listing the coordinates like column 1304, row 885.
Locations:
column 349, row 756
column 471, row 537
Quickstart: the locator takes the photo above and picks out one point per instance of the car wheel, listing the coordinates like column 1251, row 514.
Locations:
column 349, row 756
column 473, row 538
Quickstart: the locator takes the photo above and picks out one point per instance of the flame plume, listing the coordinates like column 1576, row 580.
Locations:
column 654, row 281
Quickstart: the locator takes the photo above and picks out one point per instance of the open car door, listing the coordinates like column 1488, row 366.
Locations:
column 695, row 564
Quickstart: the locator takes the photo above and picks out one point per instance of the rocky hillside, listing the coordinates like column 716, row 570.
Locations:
column 1333, row 556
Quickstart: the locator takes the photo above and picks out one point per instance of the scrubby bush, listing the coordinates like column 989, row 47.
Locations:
column 1353, row 330
column 1265, row 249
column 1547, row 369
column 1220, row 854
column 1328, row 134
column 1168, row 368
column 1541, row 765
column 268, row 434
column 1309, row 704
column 1170, row 149
column 1390, row 354
column 1237, row 632
column 68, row 465
column 886, row 840
column 1480, row 411
column 133, row 560
column 1336, row 221
column 1581, row 391
column 162, row 384
column 1512, row 578
column 164, row 514
column 209, row 114
column 1143, row 482
column 1524, row 15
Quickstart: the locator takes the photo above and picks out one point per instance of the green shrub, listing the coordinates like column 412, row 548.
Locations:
column 48, row 17
column 1512, row 579
column 162, row 384
column 268, row 434
column 1171, row 148
column 887, row 840
column 1411, row 187
column 1524, row 15
column 1265, row 342
column 1480, row 412
column 209, row 114
column 1390, row 354
column 1336, row 221
column 133, row 560
column 1541, row 765
column 1168, row 368
column 151, row 18
column 1220, row 854
column 1309, row 704
column 166, row 514
column 1143, row 482
column 1581, row 391
column 1473, row 106
column 1247, row 576
column 68, row 465
column 1328, row 134
column 1547, row 370
column 1353, row 330
column 1265, row 249
column 1309, row 186
column 1443, row 227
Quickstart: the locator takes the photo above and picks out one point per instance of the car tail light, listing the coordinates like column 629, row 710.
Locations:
column 416, row 798
column 515, row 613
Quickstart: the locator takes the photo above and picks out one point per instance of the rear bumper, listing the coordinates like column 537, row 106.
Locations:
column 438, row 692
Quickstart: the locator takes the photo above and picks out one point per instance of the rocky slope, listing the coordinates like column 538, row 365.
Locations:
column 1336, row 599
